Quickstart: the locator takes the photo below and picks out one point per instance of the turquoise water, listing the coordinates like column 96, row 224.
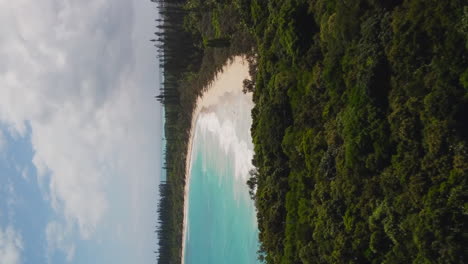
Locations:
column 222, row 225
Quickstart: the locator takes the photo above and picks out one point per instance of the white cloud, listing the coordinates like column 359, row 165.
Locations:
column 11, row 246
column 58, row 238
column 3, row 142
column 25, row 174
column 53, row 80
column 11, row 199
column 77, row 74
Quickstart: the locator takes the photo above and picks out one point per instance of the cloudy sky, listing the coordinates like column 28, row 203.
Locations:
column 80, row 134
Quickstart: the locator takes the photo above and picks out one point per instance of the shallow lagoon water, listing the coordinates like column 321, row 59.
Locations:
column 221, row 225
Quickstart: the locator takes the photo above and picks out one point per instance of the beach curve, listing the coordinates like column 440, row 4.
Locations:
column 228, row 81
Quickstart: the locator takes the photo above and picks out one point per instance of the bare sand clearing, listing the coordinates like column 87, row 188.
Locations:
column 229, row 81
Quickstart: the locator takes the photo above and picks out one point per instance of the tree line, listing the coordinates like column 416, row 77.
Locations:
column 359, row 124
column 177, row 56
column 190, row 54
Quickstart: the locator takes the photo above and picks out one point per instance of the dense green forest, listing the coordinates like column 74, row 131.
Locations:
column 360, row 130
column 360, row 123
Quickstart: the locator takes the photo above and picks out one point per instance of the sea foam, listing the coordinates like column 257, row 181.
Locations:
column 227, row 124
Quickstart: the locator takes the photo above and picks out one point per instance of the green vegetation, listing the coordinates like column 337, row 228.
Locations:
column 193, row 45
column 360, row 130
column 359, row 125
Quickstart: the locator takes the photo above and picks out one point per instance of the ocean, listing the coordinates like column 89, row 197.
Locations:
column 221, row 224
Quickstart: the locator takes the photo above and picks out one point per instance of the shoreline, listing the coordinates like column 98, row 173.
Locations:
column 229, row 80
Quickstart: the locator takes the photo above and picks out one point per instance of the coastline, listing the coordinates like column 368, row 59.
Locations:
column 228, row 81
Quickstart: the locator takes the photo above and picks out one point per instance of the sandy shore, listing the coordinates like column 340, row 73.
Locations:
column 229, row 81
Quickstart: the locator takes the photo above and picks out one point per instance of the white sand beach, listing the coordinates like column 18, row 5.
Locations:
column 229, row 81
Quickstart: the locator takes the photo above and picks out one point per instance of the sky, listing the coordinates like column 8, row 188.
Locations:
column 80, row 131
